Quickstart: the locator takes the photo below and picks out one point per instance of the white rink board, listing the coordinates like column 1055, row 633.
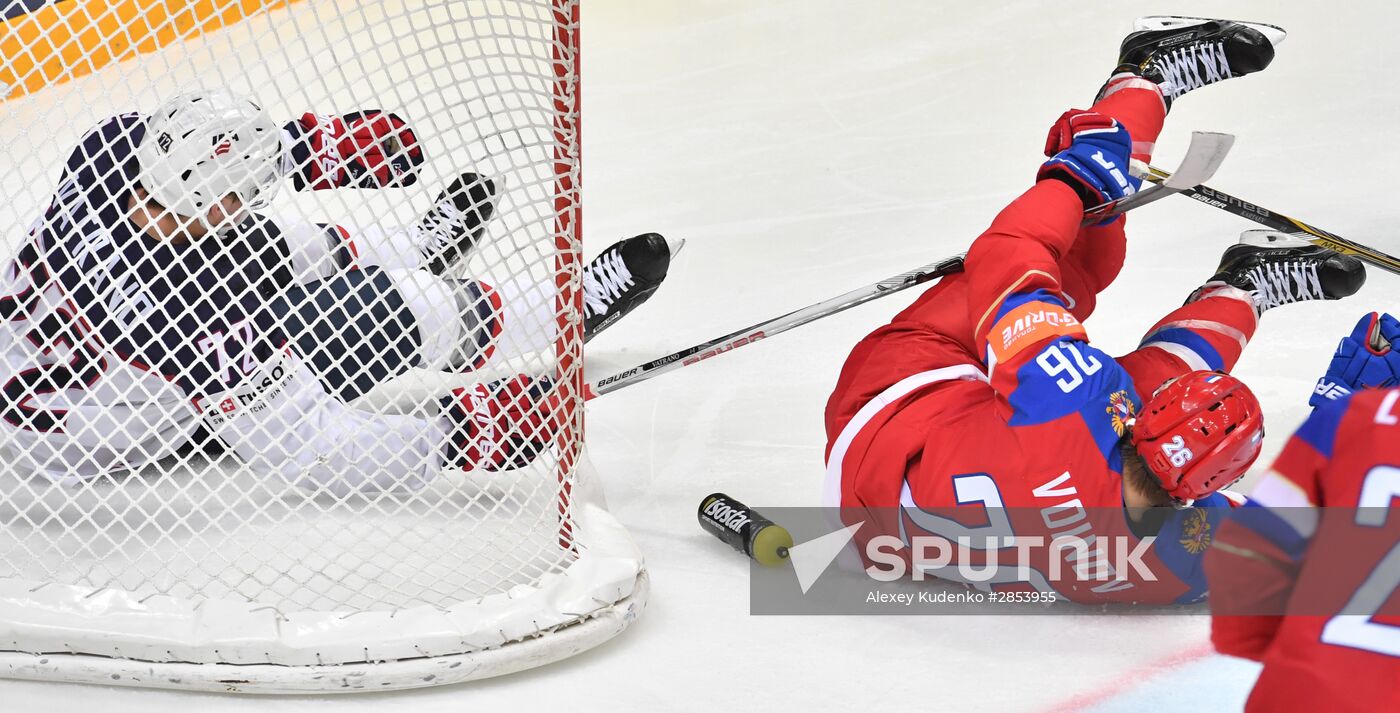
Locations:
column 805, row 147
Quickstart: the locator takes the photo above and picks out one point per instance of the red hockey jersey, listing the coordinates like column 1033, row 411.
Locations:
column 984, row 404
column 1315, row 557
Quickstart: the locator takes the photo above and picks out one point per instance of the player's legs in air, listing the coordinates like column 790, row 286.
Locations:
column 1155, row 67
column 397, row 299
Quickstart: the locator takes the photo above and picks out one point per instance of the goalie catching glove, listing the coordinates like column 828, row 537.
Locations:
column 1365, row 359
column 1090, row 153
column 363, row 149
column 503, row 424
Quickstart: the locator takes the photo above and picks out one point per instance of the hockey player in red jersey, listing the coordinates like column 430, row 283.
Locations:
column 986, row 394
column 1306, row 577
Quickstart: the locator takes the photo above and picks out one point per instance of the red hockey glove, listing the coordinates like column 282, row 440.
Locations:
column 503, row 424
column 1069, row 124
column 365, row 149
column 1090, row 152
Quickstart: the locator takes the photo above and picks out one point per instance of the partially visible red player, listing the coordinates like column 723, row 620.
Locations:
column 1317, row 538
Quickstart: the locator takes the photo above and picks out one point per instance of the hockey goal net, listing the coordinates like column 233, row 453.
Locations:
column 136, row 549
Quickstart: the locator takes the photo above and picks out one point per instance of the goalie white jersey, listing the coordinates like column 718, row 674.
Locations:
column 118, row 347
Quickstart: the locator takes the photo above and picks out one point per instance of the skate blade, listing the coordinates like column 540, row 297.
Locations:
column 674, row 245
column 1273, row 33
column 1271, row 239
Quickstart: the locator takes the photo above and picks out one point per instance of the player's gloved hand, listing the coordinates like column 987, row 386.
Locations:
column 503, row 424
column 1365, row 359
column 365, row 149
column 1090, row 152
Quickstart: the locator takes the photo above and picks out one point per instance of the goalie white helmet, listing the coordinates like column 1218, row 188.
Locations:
column 203, row 146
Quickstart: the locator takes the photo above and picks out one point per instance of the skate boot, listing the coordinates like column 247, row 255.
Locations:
column 1279, row 269
column 622, row 278
column 1179, row 54
column 447, row 232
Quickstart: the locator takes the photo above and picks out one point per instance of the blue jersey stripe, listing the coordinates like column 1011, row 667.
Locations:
column 1016, row 299
column 1191, row 340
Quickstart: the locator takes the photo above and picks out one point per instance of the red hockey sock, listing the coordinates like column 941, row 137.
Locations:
column 1137, row 104
column 1208, row 333
column 1223, row 319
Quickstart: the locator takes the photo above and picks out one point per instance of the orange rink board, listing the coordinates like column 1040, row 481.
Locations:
column 71, row 38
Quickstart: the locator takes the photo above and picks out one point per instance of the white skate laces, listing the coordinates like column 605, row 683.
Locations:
column 440, row 226
column 603, row 282
column 1181, row 68
column 1282, row 283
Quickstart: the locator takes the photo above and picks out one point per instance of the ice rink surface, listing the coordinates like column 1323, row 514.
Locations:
column 804, row 148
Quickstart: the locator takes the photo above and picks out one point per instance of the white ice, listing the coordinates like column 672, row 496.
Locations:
column 803, row 148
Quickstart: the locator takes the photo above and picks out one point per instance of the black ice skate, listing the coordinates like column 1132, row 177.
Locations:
column 1184, row 53
column 622, row 278
column 456, row 221
column 1280, row 269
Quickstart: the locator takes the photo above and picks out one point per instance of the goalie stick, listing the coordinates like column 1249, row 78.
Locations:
column 1279, row 222
column 1204, row 155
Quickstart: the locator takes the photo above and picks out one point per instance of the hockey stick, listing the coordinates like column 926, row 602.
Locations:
column 1280, row 222
column 776, row 325
column 1203, row 157
column 1205, row 154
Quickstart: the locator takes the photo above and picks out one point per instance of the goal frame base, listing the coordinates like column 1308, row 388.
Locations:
column 545, row 648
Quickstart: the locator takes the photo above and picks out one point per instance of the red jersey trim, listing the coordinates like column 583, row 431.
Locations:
column 831, row 491
column 996, row 304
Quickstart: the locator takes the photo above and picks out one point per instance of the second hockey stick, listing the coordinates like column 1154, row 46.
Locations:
column 1280, row 222
column 1205, row 154
column 776, row 325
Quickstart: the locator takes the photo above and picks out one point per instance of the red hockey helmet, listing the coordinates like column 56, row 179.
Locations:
column 1199, row 433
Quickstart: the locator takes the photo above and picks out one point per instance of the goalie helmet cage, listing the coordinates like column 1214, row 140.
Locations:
column 199, row 572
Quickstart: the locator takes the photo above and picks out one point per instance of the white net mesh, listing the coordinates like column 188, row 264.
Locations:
column 340, row 431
